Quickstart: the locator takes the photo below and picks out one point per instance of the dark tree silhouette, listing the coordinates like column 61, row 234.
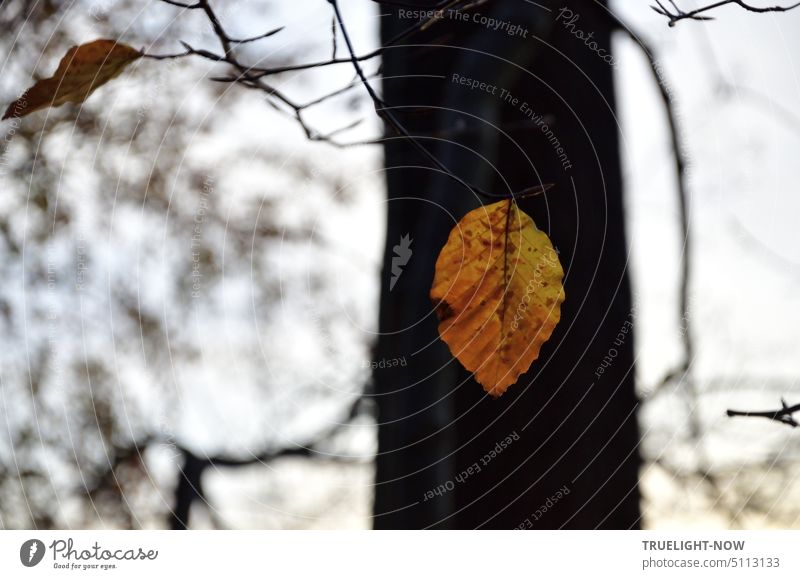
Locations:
column 577, row 432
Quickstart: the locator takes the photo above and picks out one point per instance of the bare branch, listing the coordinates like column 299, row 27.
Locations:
column 783, row 415
column 182, row 5
column 258, row 37
column 386, row 114
column 675, row 14
column 681, row 163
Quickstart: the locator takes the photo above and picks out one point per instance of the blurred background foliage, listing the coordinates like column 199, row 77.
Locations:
column 173, row 260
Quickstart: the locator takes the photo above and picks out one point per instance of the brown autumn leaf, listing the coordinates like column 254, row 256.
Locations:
column 82, row 69
column 498, row 293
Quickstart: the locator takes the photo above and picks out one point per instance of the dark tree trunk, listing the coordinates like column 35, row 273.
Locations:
column 573, row 457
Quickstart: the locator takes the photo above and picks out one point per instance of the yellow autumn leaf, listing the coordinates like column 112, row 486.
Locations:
column 82, row 69
column 498, row 293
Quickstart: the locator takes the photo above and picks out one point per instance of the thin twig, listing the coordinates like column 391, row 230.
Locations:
column 258, row 37
column 675, row 15
column 680, row 163
column 383, row 112
column 784, row 415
